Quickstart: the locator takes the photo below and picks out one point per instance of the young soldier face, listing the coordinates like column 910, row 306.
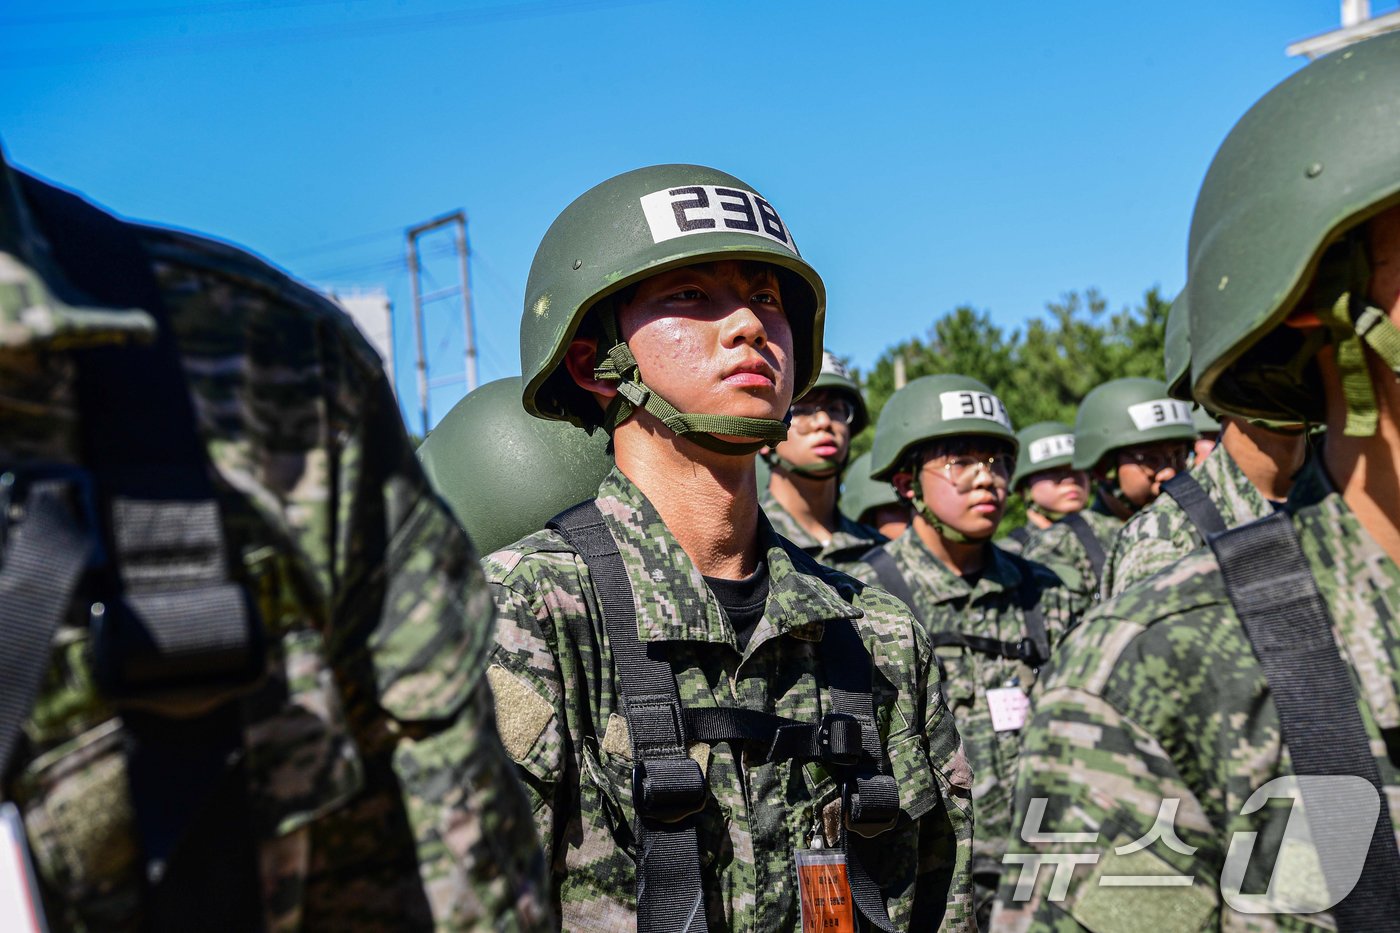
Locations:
column 966, row 489
column 1062, row 490
column 1143, row 468
column 713, row 338
column 821, row 429
column 1385, row 262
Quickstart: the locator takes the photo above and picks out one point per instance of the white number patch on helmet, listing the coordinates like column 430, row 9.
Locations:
column 676, row 212
column 1056, row 445
column 1158, row 412
column 969, row 404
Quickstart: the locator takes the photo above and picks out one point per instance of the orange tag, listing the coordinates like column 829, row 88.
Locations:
column 824, row 891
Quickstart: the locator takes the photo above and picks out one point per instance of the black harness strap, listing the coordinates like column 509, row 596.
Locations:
column 168, row 617
column 891, row 580
column 43, row 565
column 1088, row 540
column 1020, row 535
column 669, row 789
column 1195, row 502
column 1273, row 591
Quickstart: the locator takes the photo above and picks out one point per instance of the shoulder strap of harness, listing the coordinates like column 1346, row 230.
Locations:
column 1195, row 502
column 668, row 787
column 890, row 579
column 1088, row 540
column 1273, row 591
column 168, row 617
column 1020, row 535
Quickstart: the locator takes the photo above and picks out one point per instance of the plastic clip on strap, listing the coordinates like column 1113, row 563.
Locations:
column 1195, row 502
column 1290, row 630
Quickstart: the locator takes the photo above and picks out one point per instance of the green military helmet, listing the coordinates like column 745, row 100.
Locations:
column 1046, row 445
column 1125, row 412
column 1205, row 422
column 834, row 377
column 1176, row 355
column 505, row 473
column 1313, row 159
column 931, row 407
column 627, row 229
column 860, row 493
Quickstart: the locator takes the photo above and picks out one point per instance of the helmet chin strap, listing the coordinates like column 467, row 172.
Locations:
column 944, row 530
column 1040, row 510
column 617, row 364
column 822, row 469
column 1112, row 491
column 1352, row 321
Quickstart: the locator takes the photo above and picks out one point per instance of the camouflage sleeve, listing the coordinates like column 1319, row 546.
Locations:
column 424, row 614
column 945, row 847
column 1108, row 836
column 1152, row 541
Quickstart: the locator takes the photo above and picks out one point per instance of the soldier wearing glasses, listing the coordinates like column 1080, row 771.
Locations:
column 800, row 498
column 946, row 444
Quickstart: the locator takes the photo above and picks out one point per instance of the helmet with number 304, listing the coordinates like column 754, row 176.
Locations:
column 933, row 407
column 1124, row 412
column 632, row 227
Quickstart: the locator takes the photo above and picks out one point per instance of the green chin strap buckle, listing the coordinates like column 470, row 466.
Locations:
column 1353, row 324
column 619, row 365
column 949, row 534
column 1052, row 516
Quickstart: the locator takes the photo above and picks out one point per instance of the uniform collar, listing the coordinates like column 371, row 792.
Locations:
column 674, row 604
column 942, row 585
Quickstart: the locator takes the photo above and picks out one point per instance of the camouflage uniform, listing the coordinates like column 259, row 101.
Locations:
column 851, row 539
column 379, row 793
column 1059, row 547
column 990, row 608
column 1162, row 534
column 1118, row 730
column 561, row 718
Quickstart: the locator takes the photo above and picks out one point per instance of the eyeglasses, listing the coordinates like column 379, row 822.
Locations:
column 838, row 411
column 1155, row 461
column 962, row 472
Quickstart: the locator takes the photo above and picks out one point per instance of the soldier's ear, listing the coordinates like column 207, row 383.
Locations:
column 578, row 360
column 903, row 485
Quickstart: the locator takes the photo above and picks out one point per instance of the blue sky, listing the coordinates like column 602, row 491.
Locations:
column 925, row 155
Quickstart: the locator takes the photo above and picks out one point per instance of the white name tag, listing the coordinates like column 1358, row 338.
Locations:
column 1010, row 708
column 969, row 404
column 1057, row 445
column 696, row 209
column 20, row 907
column 1161, row 411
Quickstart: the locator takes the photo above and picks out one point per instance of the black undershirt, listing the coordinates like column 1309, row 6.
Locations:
column 743, row 601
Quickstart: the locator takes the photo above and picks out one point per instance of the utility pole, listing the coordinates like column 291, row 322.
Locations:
column 458, row 221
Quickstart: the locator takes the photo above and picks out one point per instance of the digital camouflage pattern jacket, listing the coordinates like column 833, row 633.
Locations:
column 992, row 607
column 1058, row 546
column 1157, row 715
column 851, row 539
column 1162, row 534
column 560, row 716
column 379, row 794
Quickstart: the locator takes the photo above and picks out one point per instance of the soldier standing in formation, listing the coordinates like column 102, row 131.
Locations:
column 1175, row 710
column 801, row 498
column 689, row 696
column 872, row 502
column 244, row 640
column 1046, row 479
column 946, row 444
column 1131, row 437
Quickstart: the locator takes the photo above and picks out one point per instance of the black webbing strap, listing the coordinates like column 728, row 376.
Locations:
column 668, row 788
column 1273, row 591
column 1020, row 535
column 170, row 619
column 43, row 564
column 1088, row 540
column 891, row 580
column 1195, row 502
